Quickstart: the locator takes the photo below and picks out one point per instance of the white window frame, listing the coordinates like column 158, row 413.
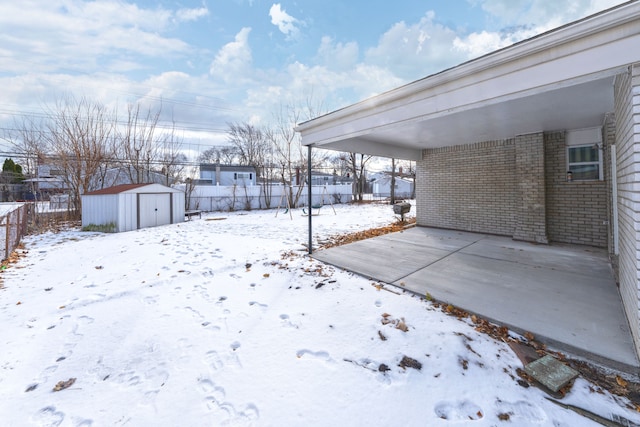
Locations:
column 588, row 137
column 242, row 175
column 597, row 162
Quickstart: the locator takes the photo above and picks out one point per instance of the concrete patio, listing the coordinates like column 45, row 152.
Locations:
column 565, row 295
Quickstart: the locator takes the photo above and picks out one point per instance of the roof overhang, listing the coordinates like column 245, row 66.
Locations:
column 562, row 79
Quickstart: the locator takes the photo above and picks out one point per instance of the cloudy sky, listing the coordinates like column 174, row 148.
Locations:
column 212, row 62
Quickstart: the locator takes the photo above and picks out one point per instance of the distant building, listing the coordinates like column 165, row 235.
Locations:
column 322, row 178
column 48, row 180
column 381, row 186
column 217, row 174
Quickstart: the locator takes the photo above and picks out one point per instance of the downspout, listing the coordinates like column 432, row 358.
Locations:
column 614, row 198
column 309, row 204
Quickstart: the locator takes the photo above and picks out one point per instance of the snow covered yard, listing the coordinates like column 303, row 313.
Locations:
column 226, row 321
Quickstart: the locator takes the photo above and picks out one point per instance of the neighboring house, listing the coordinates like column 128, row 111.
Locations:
column 217, row 174
column 322, row 178
column 538, row 141
column 381, row 186
column 132, row 206
column 48, row 180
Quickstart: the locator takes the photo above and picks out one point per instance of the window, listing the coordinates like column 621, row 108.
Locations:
column 584, row 162
column 242, row 175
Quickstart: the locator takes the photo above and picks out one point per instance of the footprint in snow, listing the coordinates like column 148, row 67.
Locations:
column 462, row 410
column 150, row 300
column 211, row 390
column 286, row 321
column 520, row 411
column 213, row 360
column 216, row 362
column 322, row 356
column 49, row 417
column 257, row 304
column 225, row 412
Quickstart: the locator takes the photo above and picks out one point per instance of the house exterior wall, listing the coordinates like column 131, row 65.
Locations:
column 576, row 211
column 627, row 113
column 468, row 187
column 515, row 187
column 228, row 175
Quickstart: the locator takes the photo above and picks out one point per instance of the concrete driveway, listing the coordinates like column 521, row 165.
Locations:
column 565, row 295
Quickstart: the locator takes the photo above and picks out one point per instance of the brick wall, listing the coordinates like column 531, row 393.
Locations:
column 627, row 99
column 469, row 187
column 515, row 187
column 576, row 211
column 530, row 196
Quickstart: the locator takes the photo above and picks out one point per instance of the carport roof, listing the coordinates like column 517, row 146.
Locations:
column 559, row 80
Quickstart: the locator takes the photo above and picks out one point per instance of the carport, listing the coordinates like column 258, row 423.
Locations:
column 495, row 142
column 565, row 295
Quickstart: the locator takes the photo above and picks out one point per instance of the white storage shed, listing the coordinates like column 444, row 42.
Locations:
column 132, row 206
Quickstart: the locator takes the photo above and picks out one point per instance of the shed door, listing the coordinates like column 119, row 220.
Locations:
column 154, row 209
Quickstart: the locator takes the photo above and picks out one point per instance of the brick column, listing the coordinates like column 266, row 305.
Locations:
column 531, row 224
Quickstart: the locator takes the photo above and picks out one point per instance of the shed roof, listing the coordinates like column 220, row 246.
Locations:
column 123, row 188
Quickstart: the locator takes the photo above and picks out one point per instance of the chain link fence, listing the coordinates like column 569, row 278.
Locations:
column 13, row 226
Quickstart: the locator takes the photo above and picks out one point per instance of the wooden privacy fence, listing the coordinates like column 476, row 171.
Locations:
column 14, row 220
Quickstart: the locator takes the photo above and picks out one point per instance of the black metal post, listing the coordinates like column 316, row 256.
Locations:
column 309, row 209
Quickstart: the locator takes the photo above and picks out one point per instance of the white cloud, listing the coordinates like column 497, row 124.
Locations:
column 78, row 36
column 522, row 19
column 478, row 44
column 233, row 61
column 543, row 14
column 287, row 24
column 186, row 15
column 416, row 50
column 340, row 55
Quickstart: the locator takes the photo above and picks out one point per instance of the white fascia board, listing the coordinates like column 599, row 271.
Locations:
column 375, row 149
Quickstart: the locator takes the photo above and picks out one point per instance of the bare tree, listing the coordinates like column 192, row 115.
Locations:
column 357, row 165
column 172, row 160
column 250, row 143
column 136, row 141
column 339, row 164
column 26, row 138
column 407, row 169
column 252, row 149
column 290, row 155
column 222, row 154
column 78, row 140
